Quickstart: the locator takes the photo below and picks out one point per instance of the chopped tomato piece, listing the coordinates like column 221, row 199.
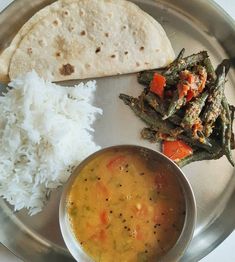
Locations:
column 161, row 214
column 101, row 235
column 102, row 189
column 176, row 150
column 157, row 84
column 138, row 233
column 164, row 214
column 190, row 95
column 190, row 85
column 115, row 162
column 160, row 181
column 191, row 78
column 104, row 218
column 183, row 89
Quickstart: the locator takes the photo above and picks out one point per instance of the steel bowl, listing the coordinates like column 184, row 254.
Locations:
column 177, row 251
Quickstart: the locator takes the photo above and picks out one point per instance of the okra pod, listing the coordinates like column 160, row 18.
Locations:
column 227, row 130
column 154, row 120
column 145, row 77
column 176, row 104
column 210, row 69
column 180, row 55
column 148, row 115
column 154, row 136
column 157, row 104
column 200, row 155
column 226, row 64
column 213, row 106
column 187, row 62
column 193, row 111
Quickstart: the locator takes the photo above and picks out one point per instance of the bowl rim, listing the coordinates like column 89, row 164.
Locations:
column 179, row 248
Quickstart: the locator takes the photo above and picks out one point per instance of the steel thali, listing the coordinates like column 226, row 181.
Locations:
column 195, row 25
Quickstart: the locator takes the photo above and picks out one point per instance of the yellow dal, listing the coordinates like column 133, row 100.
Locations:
column 122, row 209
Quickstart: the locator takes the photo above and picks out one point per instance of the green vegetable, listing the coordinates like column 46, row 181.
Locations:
column 224, row 65
column 154, row 136
column 155, row 121
column 158, row 105
column 202, row 117
column 155, row 102
column 210, row 69
column 153, row 195
column 149, row 116
column 176, row 104
column 201, row 155
column 227, row 130
column 145, row 77
column 73, row 211
column 193, row 111
column 213, row 107
column 142, row 257
column 180, row 55
column 185, row 63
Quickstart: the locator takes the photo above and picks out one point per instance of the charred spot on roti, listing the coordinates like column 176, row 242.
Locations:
column 113, row 56
column 87, row 66
column 141, row 48
column 98, row 49
column 70, row 28
column 58, row 54
column 42, row 42
column 29, row 51
column 82, row 12
column 83, row 32
column 124, row 27
column 56, row 22
column 63, row 46
column 66, row 70
column 65, row 13
column 126, row 52
column 106, row 34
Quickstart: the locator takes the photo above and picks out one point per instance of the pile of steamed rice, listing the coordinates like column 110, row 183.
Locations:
column 45, row 129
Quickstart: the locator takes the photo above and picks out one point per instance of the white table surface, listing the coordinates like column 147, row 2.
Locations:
column 225, row 252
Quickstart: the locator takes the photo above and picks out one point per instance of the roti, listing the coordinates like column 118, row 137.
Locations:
column 7, row 54
column 77, row 39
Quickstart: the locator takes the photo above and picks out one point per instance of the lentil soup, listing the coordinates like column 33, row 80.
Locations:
column 124, row 206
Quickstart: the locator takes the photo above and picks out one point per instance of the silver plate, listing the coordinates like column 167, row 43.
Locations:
column 195, row 25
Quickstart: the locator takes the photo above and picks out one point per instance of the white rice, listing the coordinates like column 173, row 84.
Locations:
column 45, row 129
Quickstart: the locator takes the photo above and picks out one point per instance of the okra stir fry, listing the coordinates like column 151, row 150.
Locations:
column 185, row 108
